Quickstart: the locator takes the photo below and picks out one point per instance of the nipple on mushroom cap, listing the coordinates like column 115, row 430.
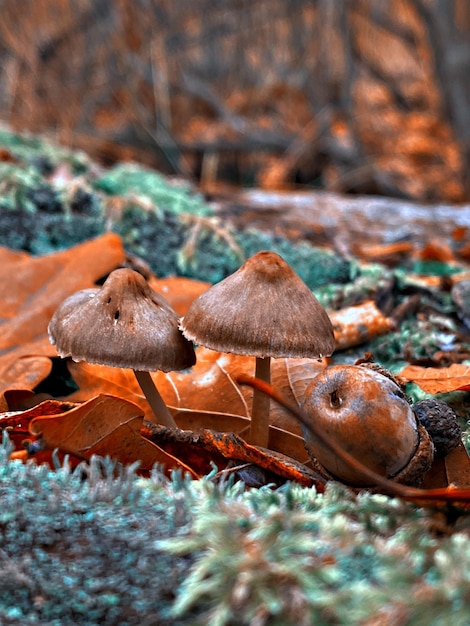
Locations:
column 123, row 324
column 264, row 310
column 368, row 415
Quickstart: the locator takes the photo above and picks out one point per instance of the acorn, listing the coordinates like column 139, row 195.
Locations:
column 441, row 422
column 369, row 416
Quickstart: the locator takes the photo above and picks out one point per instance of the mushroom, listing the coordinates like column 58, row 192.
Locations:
column 265, row 310
column 124, row 324
column 368, row 415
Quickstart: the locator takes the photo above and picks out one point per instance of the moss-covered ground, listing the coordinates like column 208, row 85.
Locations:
column 101, row 545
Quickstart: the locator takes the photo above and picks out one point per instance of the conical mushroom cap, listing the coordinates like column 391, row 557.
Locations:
column 263, row 309
column 122, row 324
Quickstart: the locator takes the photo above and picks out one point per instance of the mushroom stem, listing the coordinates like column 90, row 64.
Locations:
column 158, row 406
column 259, row 430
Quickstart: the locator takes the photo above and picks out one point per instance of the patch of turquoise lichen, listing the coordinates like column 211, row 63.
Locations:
column 167, row 223
column 38, row 152
column 434, row 268
column 80, row 547
column 100, row 545
column 129, row 179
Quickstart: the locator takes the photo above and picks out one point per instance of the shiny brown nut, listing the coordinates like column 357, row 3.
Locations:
column 369, row 417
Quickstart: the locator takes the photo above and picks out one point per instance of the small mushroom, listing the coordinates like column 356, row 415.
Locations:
column 370, row 418
column 264, row 310
column 124, row 324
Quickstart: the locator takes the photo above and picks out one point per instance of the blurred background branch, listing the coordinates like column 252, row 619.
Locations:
column 356, row 97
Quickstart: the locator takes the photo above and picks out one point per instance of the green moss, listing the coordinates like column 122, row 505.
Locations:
column 47, row 234
column 434, row 268
column 38, row 152
column 317, row 267
column 21, row 186
column 130, row 180
column 79, row 547
column 367, row 281
column 100, row 545
column 166, row 223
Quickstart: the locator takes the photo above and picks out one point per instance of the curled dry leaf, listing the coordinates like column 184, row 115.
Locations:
column 104, row 425
column 44, row 282
column 433, row 380
column 16, row 423
column 24, row 374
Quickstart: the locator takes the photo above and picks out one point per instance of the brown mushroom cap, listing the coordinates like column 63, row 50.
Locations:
column 122, row 324
column 264, row 309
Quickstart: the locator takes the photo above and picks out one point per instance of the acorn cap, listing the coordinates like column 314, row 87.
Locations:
column 441, row 422
column 264, row 309
column 122, row 324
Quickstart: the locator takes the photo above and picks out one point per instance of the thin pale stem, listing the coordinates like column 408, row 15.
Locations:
column 259, row 430
column 158, row 406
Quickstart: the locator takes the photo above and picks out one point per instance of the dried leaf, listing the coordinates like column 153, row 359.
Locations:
column 453, row 469
column 40, row 347
column 458, row 467
column 34, row 288
column 384, row 252
column 26, row 372
column 208, row 446
column 178, row 291
column 438, row 380
column 299, row 375
column 280, row 440
column 23, row 374
column 436, row 250
column 17, row 422
column 357, row 324
column 94, row 379
column 105, row 425
column 212, row 384
column 209, row 386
